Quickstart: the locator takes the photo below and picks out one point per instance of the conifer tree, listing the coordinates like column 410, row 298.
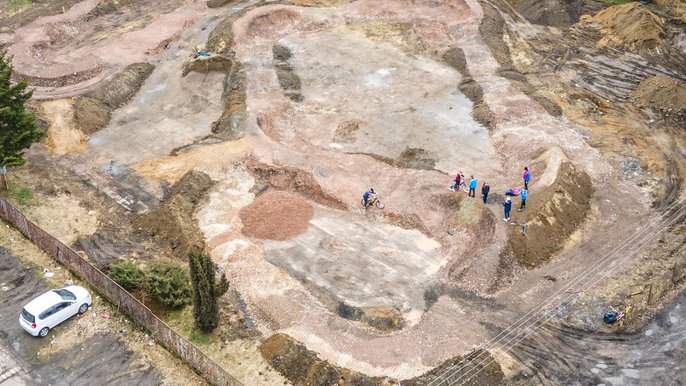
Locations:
column 205, row 309
column 17, row 126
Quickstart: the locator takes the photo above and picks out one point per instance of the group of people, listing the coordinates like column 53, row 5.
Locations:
column 460, row 181
column 486, row 189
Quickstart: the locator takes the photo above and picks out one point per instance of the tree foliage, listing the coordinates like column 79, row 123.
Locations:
column 205, row 309
column 17, row 126
column 169, row 285
column 128, row 275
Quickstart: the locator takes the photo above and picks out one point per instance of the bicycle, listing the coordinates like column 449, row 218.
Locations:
column 374, row 200
column 462, row 184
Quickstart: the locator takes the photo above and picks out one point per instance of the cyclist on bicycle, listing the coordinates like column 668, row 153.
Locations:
column 367, row 196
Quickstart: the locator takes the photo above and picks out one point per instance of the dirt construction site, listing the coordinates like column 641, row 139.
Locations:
column 250, row 130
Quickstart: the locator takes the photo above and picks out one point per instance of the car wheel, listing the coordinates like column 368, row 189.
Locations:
column 83, row 308
column 43, row 332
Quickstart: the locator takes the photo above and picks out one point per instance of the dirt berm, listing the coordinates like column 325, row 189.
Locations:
column 302, row 367
column 172, row 224
column 552, row 216
column 92, row 111
column 667, row 95
column 291, row 179
column 631, row 25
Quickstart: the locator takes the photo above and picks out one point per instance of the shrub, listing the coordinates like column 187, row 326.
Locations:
column 169, row 285
column 127, row 274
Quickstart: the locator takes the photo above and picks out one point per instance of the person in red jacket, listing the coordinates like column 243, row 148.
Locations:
column 458, row 181
column 526, row 177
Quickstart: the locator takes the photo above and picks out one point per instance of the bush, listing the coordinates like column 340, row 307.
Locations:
column 127, row 274
column 169, row 285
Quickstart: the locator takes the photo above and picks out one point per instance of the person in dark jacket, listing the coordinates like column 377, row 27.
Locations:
column 485, row 188
column 507, row 205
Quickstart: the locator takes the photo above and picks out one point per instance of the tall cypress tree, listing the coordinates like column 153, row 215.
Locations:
column 17, row 126
column 205, row 309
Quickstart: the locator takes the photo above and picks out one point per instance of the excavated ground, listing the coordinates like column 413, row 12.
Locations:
column 260, row 154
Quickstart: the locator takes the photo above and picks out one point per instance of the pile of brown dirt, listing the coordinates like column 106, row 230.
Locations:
column 172, row 224
column 562, row 210
column 667, row 95
column 123, row 85
column 204, row 65
column 228, row 126
column 276, row 216
column 302, row 366
column 90, row 115
column 293, row 180
column 631, row 25
column 92, row 112
column 217, row 3
column 346, row 132
column 288, row 79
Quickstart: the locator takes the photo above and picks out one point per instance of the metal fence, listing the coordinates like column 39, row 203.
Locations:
column 167, row 337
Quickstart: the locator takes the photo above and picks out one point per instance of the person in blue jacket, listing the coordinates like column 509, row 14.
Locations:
column 526, row 177
column 472, row 187
column 523, row 194
column 507, row 205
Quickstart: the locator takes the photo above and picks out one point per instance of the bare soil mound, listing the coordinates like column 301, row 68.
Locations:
column 276, row 216
column 123, row 85
column 302, row 366
column 172, row 223
column 562, row 211
column 294, row 180
column 667, row 95
column 90, row 115
column 380, row 318
column 631, row 25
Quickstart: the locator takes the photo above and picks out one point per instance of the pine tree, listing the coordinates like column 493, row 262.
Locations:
column 205, row 309
column 17, row 126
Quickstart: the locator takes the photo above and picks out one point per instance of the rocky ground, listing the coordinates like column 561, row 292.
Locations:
column 259, row 155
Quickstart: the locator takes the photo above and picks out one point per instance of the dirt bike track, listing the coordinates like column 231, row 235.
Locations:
column 303, row 106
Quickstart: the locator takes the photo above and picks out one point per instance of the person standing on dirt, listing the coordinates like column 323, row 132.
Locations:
column 526, row 177
column 485, row 189
column 367, row 196
column 458, row 181
column 523, row 194
column 472, row 186
column 507, row 206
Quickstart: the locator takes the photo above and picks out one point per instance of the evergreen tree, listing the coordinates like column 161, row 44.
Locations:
column 205, row 309
column 17, row 126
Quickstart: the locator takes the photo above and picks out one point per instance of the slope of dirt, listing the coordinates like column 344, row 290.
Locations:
column 631, row 25
column 172, row 224
column 551, row 217
column 90, row 115
column 294, row 180
column 122, row 86
column 462, row 371
column 647, row 285
column 303, row 367
column 92, row 112
column 276, row 216
column 230, row 125
column 667, row 95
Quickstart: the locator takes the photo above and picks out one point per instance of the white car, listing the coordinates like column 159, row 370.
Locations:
column 53, row 308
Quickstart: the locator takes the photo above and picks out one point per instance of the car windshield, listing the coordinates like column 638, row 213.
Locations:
column 27, row 316
column 64, row 294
